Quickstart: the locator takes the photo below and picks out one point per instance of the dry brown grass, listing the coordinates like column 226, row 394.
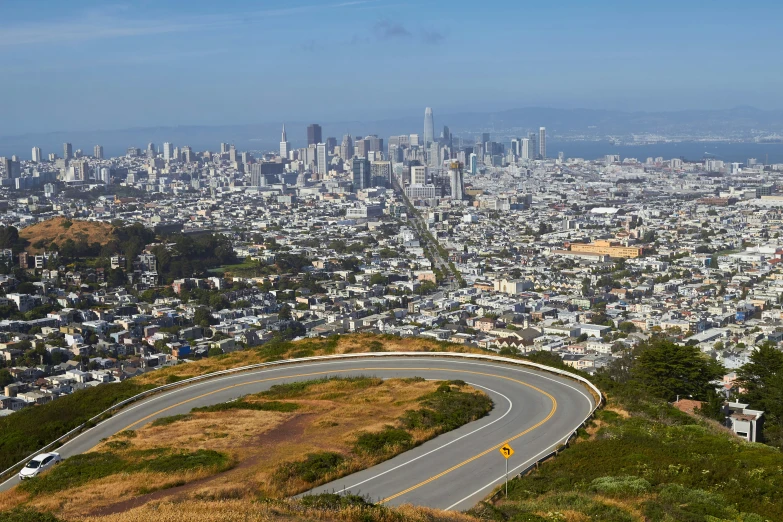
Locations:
column 53, row 230
column 329, row 417
column 354, row 343
column 249, row 511
column 77, row 502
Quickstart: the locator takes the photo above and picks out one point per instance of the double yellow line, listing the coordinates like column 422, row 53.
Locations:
column 420, row 484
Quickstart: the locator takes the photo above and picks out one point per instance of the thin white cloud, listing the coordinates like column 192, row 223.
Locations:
column 105, row 23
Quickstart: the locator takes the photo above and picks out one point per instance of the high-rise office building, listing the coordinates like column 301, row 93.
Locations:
column 429, row 127
column 150, row 150
column 322, row 159
column 473, row 164
column 81, row 171
column 314, row 134
column 532, row 144
column 8, row 168
column 381, row 174
column 187, row 154
column 67, row 151
column 97, row 152
column 346, row 148
column 524, row 149
column 542, row 143
column 224, row 148
column 446, row 136
column 37, row 154
column 485, row 138
column 361, row 170
column 414, row 140
column 456, row 181
column 168, row 151
column 434, row 154
column 284, row 145
column 104, row 175
column 232, row 154
column 418, row 175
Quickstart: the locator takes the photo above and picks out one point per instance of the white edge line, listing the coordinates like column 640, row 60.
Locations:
column 240, row 371
column 510, row 406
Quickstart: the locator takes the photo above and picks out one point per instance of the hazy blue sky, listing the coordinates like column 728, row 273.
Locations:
column 80, row 64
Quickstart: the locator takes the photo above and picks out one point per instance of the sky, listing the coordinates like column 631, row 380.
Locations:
column 88, row 65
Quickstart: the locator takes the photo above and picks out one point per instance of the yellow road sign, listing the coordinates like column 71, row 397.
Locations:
column 506, row 450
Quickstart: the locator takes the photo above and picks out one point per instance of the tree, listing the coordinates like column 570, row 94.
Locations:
column 285, row 313
column 762, row 382
column 713, row 408
column 202, row 317
column 5, row 376
column 667, row 369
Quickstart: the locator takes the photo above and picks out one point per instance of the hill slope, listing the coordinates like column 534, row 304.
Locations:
column 60, row 229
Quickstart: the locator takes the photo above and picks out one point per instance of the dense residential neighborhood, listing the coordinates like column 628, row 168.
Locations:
column 203, row 254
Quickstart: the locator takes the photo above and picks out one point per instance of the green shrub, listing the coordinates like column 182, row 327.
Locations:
column 292, row 390
column 175, row 462
column 244, row 405
column 447, row 409
column 76, row 471
column 620, row 486
column 315, row 467
column 80, row 469
column 383, row 442
column 171, row 419
column 25, row 514
column 28, row 430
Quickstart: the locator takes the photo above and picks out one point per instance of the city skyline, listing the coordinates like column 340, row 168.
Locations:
column 617, row 67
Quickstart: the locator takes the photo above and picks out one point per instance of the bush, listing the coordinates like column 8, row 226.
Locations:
column 620, row 486
column 295, row 389
column 86, row 467
column 171, row 419
column 25, row 514
column 76, row 471
column 244, row 405
column 447, row 409
column 315, row 467
column 30, row 429
column 189, row 461
column 383, row 442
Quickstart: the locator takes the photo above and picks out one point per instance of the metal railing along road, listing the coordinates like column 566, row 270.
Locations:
column 143, row 395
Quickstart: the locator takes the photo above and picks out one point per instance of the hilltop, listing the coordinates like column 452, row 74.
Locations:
column 59, row 230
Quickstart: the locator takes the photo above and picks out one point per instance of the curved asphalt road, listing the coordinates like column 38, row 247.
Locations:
column 534, row 411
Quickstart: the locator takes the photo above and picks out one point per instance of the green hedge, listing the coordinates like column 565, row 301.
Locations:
column 30, row 429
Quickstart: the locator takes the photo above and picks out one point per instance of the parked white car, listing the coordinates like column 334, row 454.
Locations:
column 39, row 464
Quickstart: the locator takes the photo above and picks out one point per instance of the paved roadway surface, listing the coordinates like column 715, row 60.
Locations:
column 535, row 411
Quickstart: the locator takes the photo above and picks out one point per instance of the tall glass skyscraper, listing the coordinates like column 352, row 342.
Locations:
column 429, row 127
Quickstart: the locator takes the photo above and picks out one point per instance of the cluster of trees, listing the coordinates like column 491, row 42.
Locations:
column 761, row 381
column 192, row 256
column 664, row 370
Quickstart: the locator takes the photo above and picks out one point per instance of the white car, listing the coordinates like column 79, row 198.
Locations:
column 39, row 464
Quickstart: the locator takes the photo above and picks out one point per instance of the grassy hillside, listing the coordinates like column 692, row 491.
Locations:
column 270, row 445
column 60, row 229
column 643, row 460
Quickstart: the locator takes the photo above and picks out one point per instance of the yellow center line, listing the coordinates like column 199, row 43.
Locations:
column 487, row 451
column 420, row 484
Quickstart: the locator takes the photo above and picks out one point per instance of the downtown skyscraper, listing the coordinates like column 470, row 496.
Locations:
column 542, row 143
column 429, row 127
column 314, row 136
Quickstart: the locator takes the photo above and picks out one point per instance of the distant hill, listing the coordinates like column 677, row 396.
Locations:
column 60, row 229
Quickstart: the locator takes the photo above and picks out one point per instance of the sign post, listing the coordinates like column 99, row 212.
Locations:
column 506, row 451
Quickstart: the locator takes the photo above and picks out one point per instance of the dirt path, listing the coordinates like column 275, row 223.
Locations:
column 290, row 429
